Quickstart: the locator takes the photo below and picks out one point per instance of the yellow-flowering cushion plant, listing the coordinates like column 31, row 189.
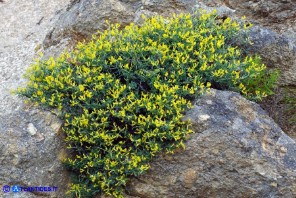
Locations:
column 122, row 95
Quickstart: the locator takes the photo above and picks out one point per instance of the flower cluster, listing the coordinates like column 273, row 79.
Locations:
column 123, row 94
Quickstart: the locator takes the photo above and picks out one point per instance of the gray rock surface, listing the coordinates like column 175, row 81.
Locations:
column 277, row 15
column 30, row 147
column 84, row 18
column 31, row 154
column 277, row 51
column 236, row 151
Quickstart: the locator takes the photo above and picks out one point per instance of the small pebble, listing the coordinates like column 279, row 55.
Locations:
column 31, row 129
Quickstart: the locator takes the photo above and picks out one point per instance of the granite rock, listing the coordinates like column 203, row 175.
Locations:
column 31, row 150
column 236, row 151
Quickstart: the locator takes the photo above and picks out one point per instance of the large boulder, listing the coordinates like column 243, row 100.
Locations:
column 277, row 51
column 236, row 150
column 84, row 18
column 277, row 15
column 274, row 14
column 31, row 149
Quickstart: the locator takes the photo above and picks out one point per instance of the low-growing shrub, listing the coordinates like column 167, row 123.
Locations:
column 122, row 95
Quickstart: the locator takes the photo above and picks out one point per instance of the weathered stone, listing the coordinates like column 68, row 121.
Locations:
column 222, row 10
column 31, row 129
column 85, row 18
column 31, row 160
column 29, row 148
column 276, row 51
column 274, row 14
column 237, row 152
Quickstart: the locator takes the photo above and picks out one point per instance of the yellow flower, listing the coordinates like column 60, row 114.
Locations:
column 39, row 93
column 88, row 94
column 43, row 100
column 203, row 67
column 112, row 60
column 81, row 87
